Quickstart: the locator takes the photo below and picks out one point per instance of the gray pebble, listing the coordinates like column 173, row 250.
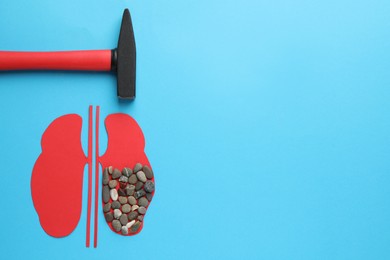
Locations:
column 132, row 215
column 133, row 179
column 112, row 184
column 148, row 172
column 117, row 213
column 127, row 172
column 107, row 207
column 115, row 205
column 124, row 230
column 142, row 210
column 137, row 167
column 139, row 194
column 116, row 174
column 149, row 196
column 114, row 194
column 122, row 200
column 149, row 186
column 106, row 177
column 123, row 179
column 141, row 176
column 130, row 190
column 126, row 208
column 110, row 169
column 139, row 185
column 116, row 225
column 132, row 200
column 143, row 202
column 123, row 219
column 109, row 217
column 106, row 194
column 134, row 207
column 122, row 192
column 135, row 227
column 141, row 218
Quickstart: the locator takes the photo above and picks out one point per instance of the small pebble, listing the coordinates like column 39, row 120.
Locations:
column 135, row 227
column 139, row 194
column 134, row 207
column 107, row 207
column 141, row 218
column 132, row 215
column 116, row 225
column 142, row 210
column 124, row 230
column 122, row 200
column 106, row 194
column 132, row 200
column 128, row 225
column 106, row 177
column 122, row 192
column 133, row 179
column 148, row 172
column 127, row 172
column 116, row 174
column 110, row 170
column 123, row 179
column 126, row 208
column 149, row 196
column 115, row 205
column 149, row 186
column 117, row 213
column 139, row 185
column 123, row 219
column 123, row 185
column 130, row 190
column 137, row 167
column 109, row 217
column 141, row 176
column 114, row 194
column 112, row 184
column 143, row 202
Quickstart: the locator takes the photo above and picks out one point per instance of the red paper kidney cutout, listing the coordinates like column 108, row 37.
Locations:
column 58, row 171
column 125, row 147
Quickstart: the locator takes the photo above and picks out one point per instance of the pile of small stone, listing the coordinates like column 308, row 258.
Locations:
column 126, row 196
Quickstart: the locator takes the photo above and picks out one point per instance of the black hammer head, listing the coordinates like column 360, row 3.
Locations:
column 124, row 59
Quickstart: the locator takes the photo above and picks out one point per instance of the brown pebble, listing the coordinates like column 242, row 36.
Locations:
column 142, row 210
column 139, row 185
column 143, row 202
column 122, row 200
column 133, row 179
column 112, row 184
column 109, row 217
column 137, row 167
column 121, row 192
column 116, row 174
column 107, row 207
column 123, row 219
column 132, row 215
column 135, row 227
column 148, row 172
column 132, row 200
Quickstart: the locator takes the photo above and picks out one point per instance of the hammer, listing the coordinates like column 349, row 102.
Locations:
column 121, row 60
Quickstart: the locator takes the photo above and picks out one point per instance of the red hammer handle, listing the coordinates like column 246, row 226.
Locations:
column 99, row 60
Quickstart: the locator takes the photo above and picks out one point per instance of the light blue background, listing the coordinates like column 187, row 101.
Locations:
column 267, row 125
